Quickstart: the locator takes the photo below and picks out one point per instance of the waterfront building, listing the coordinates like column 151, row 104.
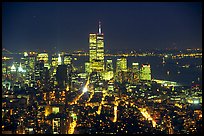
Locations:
column 121, row 69
column 135, row 72
column 121, row 65
column 145, row 72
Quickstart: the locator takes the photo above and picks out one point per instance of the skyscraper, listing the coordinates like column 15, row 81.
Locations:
column 54, row 62
column 96, row 51
column 61, row 75
column 100, row 48
column 121, row 69
column 87, row 67
column 30, row 62
column 135, row 72
column 121, row 64
column 43, row 57
column 108, row 74
column 67, row 59
column 109, row 65
column 92, row 50
column 145, row 72
column 41, row 73
column 59, row 60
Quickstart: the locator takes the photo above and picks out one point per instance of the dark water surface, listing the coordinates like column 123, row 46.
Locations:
column 176, row 72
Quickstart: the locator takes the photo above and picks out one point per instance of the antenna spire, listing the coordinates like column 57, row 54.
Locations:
column 99, row 28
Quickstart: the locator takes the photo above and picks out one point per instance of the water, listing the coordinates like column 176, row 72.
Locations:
column 177, row 73
column 159, row 71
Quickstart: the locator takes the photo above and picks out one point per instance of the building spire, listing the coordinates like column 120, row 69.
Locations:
column 99, row 28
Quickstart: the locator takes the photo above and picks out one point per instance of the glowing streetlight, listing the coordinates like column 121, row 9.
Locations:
column 85, row 89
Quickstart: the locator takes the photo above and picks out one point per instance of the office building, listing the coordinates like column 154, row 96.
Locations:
column 145, row 73
column 67, row 59
column 108, row 73
column 62, row 76
column 135, row 72
column 43, row 57
column 121, row 65
column 87, row 67
column 96, row 51
column 29, row 61
column 59, row 60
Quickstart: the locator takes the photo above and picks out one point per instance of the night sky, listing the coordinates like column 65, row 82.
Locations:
column 66, row 26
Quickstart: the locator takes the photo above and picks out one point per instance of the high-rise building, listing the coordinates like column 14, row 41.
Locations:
column 29, row 61
column 96, row 51
column 87, row 67
column 121, row 69
column 108, row 74
column 109, row 65
column 92, row 48
column 145, row 73
column 41, row 73
column 53, row 69
column 121, row 64
column 100, row 48
column 135, row 72
column 59, row 60
column 61, row 75
column 54, row 60
column 67, row 59
column 13, row 68
column 32, row 60
column 43, row 57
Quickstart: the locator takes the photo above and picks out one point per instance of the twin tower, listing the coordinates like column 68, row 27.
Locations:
column 96, row 51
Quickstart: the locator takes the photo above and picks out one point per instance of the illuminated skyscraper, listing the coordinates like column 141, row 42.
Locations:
column 135, row 72
column 53, row 68
column 29, row 62
column 13, row 68
column 96, row 51
column 67, row 59
column 121, row 64
column 41, row 73
column 43, row 57
column 121, row 69
column 54, row 60
column 87, row 67
column 59, row 60
column 92, row 48
column 20, row 69
column 145, row 73
column 100, row 48
column 108, row 74
column 109, row 65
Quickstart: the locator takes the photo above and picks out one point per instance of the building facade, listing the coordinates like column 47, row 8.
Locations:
column 145, row 73
column 96, row 51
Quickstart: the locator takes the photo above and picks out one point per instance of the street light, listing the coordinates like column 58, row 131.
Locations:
column 85, row 89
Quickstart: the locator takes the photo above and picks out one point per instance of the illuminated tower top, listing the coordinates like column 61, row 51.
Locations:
column 99, row 28
column 59, row 59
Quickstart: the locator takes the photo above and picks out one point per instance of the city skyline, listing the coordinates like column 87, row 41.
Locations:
column 66, row 26
column 97, row 89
